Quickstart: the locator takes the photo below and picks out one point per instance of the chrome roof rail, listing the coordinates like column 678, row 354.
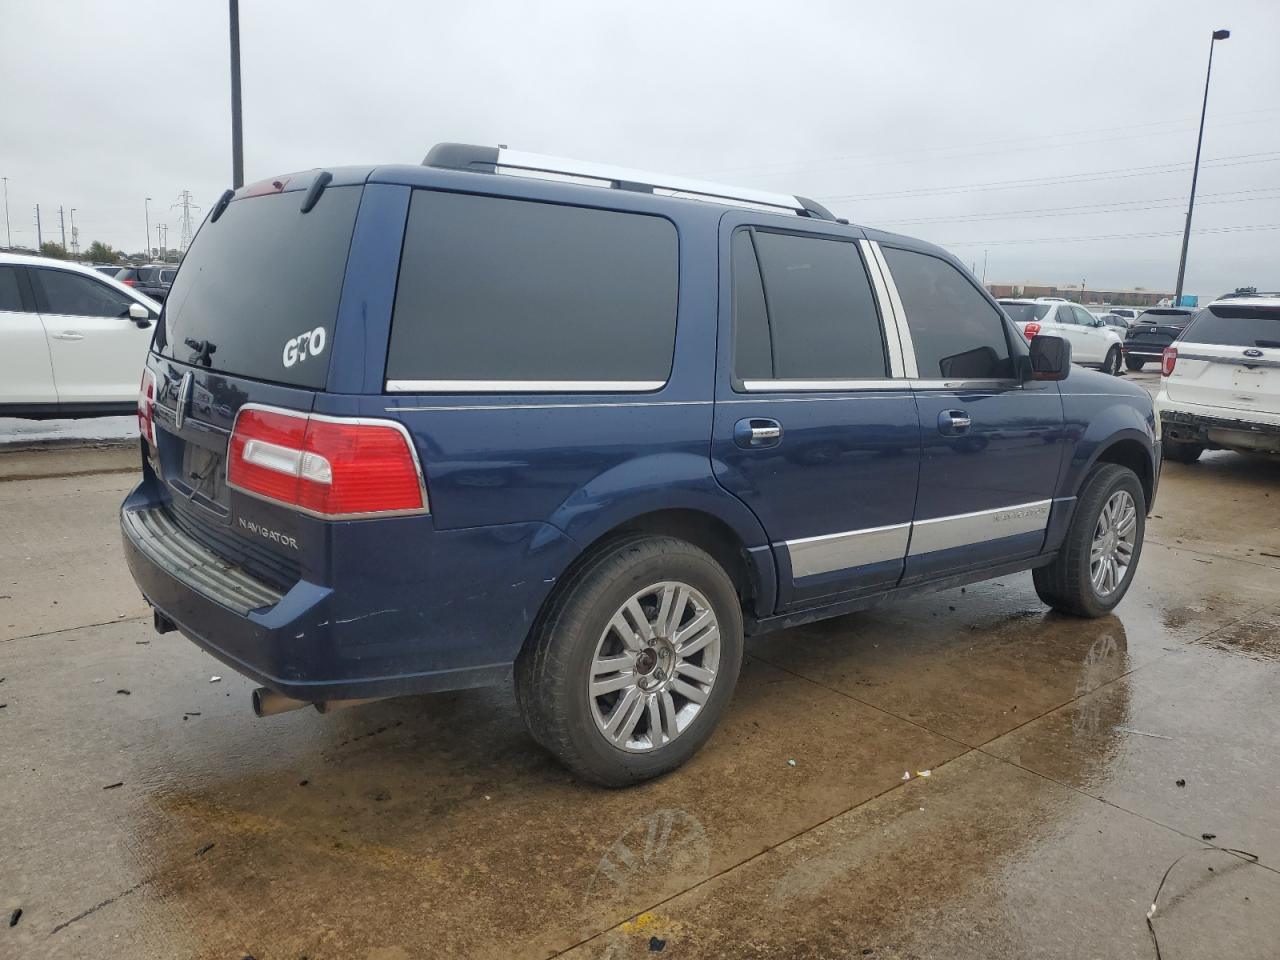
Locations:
column 462, row 156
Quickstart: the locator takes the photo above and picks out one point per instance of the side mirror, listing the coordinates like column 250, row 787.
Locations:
column 140, row 315
column 1050, row 358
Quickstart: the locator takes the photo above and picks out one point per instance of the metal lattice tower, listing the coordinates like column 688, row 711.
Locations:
column 186, row 230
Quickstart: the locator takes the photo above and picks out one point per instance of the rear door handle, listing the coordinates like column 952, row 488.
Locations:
column 953, row 422
column 68, row 335
column 757, row 432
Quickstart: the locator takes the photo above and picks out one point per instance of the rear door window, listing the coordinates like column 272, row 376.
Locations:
column 806, row 313
column 257, row 294
column 956, row 331
column 1235, row 326
column 513, row 294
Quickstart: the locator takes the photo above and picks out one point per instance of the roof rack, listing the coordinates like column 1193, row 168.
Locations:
column 465, row 156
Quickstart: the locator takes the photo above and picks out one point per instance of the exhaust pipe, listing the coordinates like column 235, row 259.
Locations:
column 267, row 703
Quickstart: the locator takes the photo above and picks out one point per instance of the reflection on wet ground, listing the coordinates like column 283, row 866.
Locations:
column 973, row 777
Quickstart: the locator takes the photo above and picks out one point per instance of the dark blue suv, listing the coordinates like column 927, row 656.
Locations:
column 409, row 429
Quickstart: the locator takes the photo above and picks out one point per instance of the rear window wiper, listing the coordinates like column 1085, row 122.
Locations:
column 204, row 350
column 317, row 187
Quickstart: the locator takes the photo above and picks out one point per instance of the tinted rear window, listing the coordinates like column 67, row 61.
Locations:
column 261, row 286
column 496, row 290
column 1166, row 318
column 1025, row 312
column 1236, row 327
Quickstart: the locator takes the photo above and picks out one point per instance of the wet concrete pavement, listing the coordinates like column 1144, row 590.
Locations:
column 433, row 827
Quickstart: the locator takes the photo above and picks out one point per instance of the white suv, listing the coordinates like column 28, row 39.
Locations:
column 72, row 342
column 1220, row 387
column 1094, row 343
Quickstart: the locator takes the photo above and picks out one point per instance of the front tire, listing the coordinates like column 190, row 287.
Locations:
column 1099, row 555
column 1180, row 452
column 628, row 672
column 1134, row 365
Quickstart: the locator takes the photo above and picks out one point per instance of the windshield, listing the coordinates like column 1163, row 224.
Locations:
column 1025, row 312
column 258, row 291
column 1230, row 326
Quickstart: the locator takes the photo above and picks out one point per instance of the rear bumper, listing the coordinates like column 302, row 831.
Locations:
column 1216, row 427
column 1142, row 352
column 413, row 615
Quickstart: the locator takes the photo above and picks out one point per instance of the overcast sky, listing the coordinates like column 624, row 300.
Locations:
column 909, row 116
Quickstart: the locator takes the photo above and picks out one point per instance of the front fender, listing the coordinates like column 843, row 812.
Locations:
column 1098, row 423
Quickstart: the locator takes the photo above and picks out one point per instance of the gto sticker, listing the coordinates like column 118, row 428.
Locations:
column 309, row 344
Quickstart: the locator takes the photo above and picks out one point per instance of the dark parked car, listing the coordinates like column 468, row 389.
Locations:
column 418, row 428
column 107, row 270
column 1154, row 330
column 154, row 279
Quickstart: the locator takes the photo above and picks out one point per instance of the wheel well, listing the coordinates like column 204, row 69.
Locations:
column 705, row 532
column 1131, row 454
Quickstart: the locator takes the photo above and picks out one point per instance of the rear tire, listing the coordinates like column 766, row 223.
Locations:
column 1134, row 365
column 1111, row 365
column 618, row 702
column 1181, row 452
column 1099, row 555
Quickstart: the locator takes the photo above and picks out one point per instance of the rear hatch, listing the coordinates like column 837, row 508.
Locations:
column 248, row 321
column 1155, row 330
column 1229, row 356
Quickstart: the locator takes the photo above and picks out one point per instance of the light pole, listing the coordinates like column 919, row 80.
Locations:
column 7, row 233
column 1195, row 171
column 146, row 251
column 237, row 137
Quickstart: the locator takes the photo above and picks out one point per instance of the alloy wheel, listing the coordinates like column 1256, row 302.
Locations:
column 1114, row 541
column 654, row 666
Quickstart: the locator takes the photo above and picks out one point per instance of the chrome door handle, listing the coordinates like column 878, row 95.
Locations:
column 756, row 432
column 952, row 422
column 67, row 335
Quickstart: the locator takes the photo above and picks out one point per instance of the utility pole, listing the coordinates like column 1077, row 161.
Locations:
column 7, row 232
column 984, row 268
column 146, row 251
column 39, row 235
column 237, row 136
column 62, row 225
column 1195, row 170
column 75, row 234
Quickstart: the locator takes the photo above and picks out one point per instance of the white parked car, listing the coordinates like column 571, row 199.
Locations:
column 72, row 342
column 1220, row 383
column 1130, row 314
column 1093, row 342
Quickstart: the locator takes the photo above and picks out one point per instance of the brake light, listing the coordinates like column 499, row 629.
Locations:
column 329, row 466
column 1030, row 330
column 147, row 406
column 1168, row 360
column 130, row 283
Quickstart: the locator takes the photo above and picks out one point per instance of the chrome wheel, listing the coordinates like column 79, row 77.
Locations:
column 654, row 666
column 1114, row 539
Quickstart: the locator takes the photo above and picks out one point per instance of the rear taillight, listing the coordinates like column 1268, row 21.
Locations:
column 1168, row 360
column 329, row 466
column 129, row 283
column 1030, row 330
column 147, row 406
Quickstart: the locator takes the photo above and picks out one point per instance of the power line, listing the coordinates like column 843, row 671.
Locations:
column 185, row 230
column 813, row 164
column 1244, row 228
column 1087, row 209
column 1119, row 173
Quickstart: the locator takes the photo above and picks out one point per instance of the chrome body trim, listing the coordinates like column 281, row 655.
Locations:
column 888, row 322
column 899, row 314
column 524, row 386
column 1240, row 361
column 839, row 551
column 785, row 386
column 961, row 530
column 553, row 406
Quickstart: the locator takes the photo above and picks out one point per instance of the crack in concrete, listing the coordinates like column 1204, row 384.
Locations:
column 96, row 907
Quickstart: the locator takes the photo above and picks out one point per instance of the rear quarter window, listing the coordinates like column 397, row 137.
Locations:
column 500, row 290
column 261, row 288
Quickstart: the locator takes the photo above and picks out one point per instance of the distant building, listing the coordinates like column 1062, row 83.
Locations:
column 1131, row 297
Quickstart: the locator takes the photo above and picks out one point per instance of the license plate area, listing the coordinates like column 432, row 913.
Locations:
column 202, row 481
